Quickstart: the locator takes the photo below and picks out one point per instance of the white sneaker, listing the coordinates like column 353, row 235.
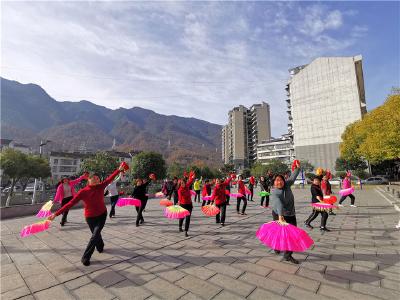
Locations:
column 340, row 205
column 352, row 205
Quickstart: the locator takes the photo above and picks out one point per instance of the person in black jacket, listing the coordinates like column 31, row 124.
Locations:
column 264, row 185
column 174, row 190
column 139, row 192
column 317, row 196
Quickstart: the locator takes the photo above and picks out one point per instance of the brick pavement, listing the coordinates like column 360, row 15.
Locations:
column 359, row 258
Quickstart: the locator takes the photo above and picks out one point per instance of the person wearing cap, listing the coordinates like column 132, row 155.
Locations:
column 317, row 197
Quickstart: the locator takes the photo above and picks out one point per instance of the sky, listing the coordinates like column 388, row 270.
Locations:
column 193, row 59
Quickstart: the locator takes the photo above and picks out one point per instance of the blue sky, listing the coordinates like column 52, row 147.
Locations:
column 194, row 59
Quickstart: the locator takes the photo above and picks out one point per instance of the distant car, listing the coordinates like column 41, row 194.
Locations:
column 17, row 188
column 29, row 187
column 335, row 181
column 300, row 181
column 376, row 180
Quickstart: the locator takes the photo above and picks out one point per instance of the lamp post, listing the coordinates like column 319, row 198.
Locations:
column 40, row 179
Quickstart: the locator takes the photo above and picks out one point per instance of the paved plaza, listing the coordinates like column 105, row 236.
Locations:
column 358, row 259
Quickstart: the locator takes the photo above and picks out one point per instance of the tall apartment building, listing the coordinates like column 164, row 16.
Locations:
column 276, row 149
column 245, row 128
column 323, row 98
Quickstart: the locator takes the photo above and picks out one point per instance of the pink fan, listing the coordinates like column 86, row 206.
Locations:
column 323, row 206
column 192, row 193
column 35, row 228
column 207, row 198
column 247, row 191
column 159, row 195
column 176, row 212
column 237, row 195
column 210, row 210
column 128, row 202
column 45, row 210
column 284, row 237
column 346, row 192
column 166, row 202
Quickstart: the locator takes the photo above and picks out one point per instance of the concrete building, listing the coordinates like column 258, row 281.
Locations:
column 241, row 135
column 7, row 143
column 276, row 148
column 323, row 98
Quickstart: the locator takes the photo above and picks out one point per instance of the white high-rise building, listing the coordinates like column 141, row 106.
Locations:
column 323, row 98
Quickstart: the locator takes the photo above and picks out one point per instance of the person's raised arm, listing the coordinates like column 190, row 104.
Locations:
column 191, row 179
column 67, row 206
column 295, row 173
column 78, row 180
column 110, row 178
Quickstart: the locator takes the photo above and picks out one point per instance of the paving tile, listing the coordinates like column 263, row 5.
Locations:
column 276, row 286
column 225, row 269
column 281, row 266
column 165, row 289
column 106, row 277
column 137, row 275
column 300, row 294
column 342, row 294
column 14, row 293
column 11, row 282
column 377, row 292
column 40, row 281
column 225, row 295
column 197, row 271
column 199, row 287
column 92, row 291
column 77, row 283
column 252, row 268
column 58, row 292
column 236, row 286
column 129, row 290
column 296, row 280
column 167, row 273
column 260, row 293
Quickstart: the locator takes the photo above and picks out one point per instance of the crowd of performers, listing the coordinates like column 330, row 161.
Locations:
column 275, row 188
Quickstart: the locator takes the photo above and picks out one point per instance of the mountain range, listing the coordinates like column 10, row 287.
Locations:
column 29, row 114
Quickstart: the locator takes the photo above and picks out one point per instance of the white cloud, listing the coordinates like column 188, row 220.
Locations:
column 317, row 20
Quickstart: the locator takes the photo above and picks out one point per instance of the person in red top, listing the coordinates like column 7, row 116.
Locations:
column 326, row 187
column 241, row 190
column 185, row 200
column 252, row 182
column 95, row 211
column 206, row 192
column 219, row 198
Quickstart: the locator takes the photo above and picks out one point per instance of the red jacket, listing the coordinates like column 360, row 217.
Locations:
column 241, row 187
column 184, row 195
column 252, row 180
column 219, row 195
column 92, row 197
column 326, row 187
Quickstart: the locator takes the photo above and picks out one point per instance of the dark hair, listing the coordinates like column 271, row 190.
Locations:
column 279, row 175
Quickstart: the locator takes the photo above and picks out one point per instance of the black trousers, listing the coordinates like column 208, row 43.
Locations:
column 175, row 198
column 244, row 204
column 227, row 199
column 289, row 219
column 113, row 200
column 140, row 210
column 96, row 225
column 314, row 214
column 221, row 216
column 65, row 213
column 204, row 202
column 189, row 207
column 197, row 196
column 352, row 198
column 250, row 197
column 266, row 198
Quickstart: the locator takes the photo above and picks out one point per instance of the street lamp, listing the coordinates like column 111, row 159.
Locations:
column 42, row 143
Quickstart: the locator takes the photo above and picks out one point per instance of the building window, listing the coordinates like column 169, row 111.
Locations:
column 55, row 161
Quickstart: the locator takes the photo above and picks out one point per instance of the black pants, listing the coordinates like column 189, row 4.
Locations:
column 314, row 214
column 113, row 200
column 65, row 213
column 266, row 198
column 244, row 204
column 221, row 216
column 96, row 225
column 197, row 196
column 289, row 219
column 227, row 199
column 189, row 207
column 140, row 210
column 175, row 198
column 351, row 197
column 250, row 197
column 204, row 202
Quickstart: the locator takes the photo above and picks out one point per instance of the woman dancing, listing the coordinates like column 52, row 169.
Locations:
column 139, row 192
column 327, row 188
column 95, row 211
column 66, row 191
column 219, row 198
column 112, row 191
column 317, row 197
column 252, row 182
column 241, row 190
column 264, row 184
column 283, row 203
column 185, row 200
column 346, row 185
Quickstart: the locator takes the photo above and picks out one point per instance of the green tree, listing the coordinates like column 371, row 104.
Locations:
column 375, row 137
column 277, row 166
column 149, row 162
column 306, row 166
column 206, row 172
column 355, row 164
column 101, row 163
column 227, row 168
column 259, row 169
column 36, row 167
column 175, row 170
column 246, row 173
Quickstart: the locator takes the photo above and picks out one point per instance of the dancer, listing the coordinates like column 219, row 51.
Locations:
column 252, row 182
column 327, row 188
column 283, row 203
column 185, row 200
column 264, row 184
column 197, row 189
column 94, row 209
column 228, row 190
column 206, row 192
column 241, row 190
column 174, row 190
column 140, row 192
column 317, row 196
column 65, row 193
column 219, row 198
column 346, row 185
column 112, row 191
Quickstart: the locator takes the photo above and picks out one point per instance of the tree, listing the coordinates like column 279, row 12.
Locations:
column 175, row 170
column 306, row 166
column 149, row 162
column 277, row 166
column 101, row 163
column 246, row 173
column 227, row 169
column 375, row 137
column 36, row 167
column 259, row 169
column 354, row 164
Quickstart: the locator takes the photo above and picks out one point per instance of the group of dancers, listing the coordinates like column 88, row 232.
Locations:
column 277, row 188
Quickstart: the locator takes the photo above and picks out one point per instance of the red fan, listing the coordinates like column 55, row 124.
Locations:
column 176, row 212
column 124, row 165
column 35, row 228
column 207, row 198
column 210, row 210
column 166, row 202
column 129, row 202
column 284, row 237
column 330, row 199
column 295, row 164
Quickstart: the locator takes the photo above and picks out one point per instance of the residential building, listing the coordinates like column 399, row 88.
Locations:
column 276, row 148
column 323, row 98
column 245, row 128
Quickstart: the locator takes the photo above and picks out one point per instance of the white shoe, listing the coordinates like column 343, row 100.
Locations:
column 352, row 205
column 340, row 205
